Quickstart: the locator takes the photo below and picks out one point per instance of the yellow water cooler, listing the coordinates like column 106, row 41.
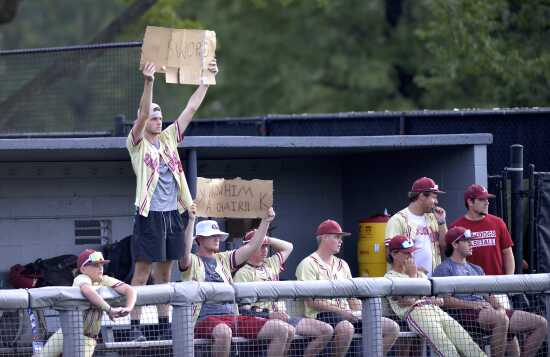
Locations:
column 371, row 252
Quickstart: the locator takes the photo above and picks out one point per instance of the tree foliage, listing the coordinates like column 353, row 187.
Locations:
column 8, row 10
column 296, row 56
column 485, row 53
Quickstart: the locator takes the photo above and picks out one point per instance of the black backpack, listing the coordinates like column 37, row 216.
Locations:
column 119, row 253
column 56, row 271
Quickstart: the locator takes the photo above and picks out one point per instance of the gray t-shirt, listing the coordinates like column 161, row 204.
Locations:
column 165, row 197
column 451, row 268
column 210, row 275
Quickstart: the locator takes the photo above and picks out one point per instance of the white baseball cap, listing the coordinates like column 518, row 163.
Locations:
column 154, row 111
column 209, row 228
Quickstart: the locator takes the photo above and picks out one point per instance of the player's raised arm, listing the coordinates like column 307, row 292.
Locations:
column 195, row 101
column 145, row 102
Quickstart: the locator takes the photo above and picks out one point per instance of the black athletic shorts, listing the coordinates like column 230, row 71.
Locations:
column 159, row 236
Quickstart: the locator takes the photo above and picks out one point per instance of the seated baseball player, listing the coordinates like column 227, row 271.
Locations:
column 471, row 309
column 260, row 267
column 221, row 322
column 423, row 314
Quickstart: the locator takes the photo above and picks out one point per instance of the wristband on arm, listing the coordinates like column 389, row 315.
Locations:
column 104, row 306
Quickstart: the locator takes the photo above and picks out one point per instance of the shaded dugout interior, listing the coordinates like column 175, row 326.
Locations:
column 50, row 188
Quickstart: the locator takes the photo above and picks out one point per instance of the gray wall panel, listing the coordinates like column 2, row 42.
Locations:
column 305, row 193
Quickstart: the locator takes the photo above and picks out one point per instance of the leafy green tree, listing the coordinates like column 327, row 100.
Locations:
column 285, row 56
column 485, row 54
column 302, row 56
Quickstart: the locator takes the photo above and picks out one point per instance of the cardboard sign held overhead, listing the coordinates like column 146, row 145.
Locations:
column 183, row 55
column 235, row 198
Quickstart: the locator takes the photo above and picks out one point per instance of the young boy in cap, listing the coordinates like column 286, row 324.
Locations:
column 472, row 309
column 423, row 314
column 491, row 241
column 344, row 315
column 221, row 321
column 423, row 222
column 90, row 263
column 162, row 194
column 260, row 267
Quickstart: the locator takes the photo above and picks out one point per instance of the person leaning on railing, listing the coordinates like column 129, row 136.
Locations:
column 423, row 314
column 222, row 321
column 487, row 311
column 260, row 267
column 344, row 315
column 90, row 263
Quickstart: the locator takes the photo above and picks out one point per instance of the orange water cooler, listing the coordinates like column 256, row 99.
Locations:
column 371, row 252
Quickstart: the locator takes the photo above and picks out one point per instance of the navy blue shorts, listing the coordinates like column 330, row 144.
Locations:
column 158, row 237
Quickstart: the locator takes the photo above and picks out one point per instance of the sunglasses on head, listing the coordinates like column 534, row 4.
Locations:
column 95, row 257
column 406, row 244
column 467, row 234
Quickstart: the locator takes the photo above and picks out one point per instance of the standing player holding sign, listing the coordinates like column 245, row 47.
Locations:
column 162, row 194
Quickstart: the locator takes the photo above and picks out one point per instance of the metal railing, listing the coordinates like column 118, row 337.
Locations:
column 69, row 304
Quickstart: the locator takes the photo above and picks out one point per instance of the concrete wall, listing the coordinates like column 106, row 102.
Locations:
column 40, row 201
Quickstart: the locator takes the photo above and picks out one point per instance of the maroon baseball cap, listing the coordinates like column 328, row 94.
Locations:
column 402, row 244
column 250, row 234
column 330, row 227
column 477, row 191
column 90, row 256
column 425, row 184
column 456, row 234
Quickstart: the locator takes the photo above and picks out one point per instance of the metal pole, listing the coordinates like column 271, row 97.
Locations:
column 372, row 327
column 547, row 303
column 516, row 180
column 532, row 239
column 191, row 171
column 402, row 124
column 182, row 330
column 494, row 184
column 504, row 208
column 119, row 125
column 73, row 332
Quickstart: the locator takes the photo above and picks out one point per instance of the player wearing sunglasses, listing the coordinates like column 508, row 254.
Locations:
column 423, row 314
column 90, row 263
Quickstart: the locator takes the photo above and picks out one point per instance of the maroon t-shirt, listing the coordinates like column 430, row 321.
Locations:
column 491, row 236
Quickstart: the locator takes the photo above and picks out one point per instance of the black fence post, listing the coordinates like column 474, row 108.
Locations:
column 516, row 180
column 191, row 171
column 119, row 125
column 532, row 240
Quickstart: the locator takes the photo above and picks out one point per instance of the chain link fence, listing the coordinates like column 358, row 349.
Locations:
column 69, row 89
column 60, row 320
column 78, row 91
